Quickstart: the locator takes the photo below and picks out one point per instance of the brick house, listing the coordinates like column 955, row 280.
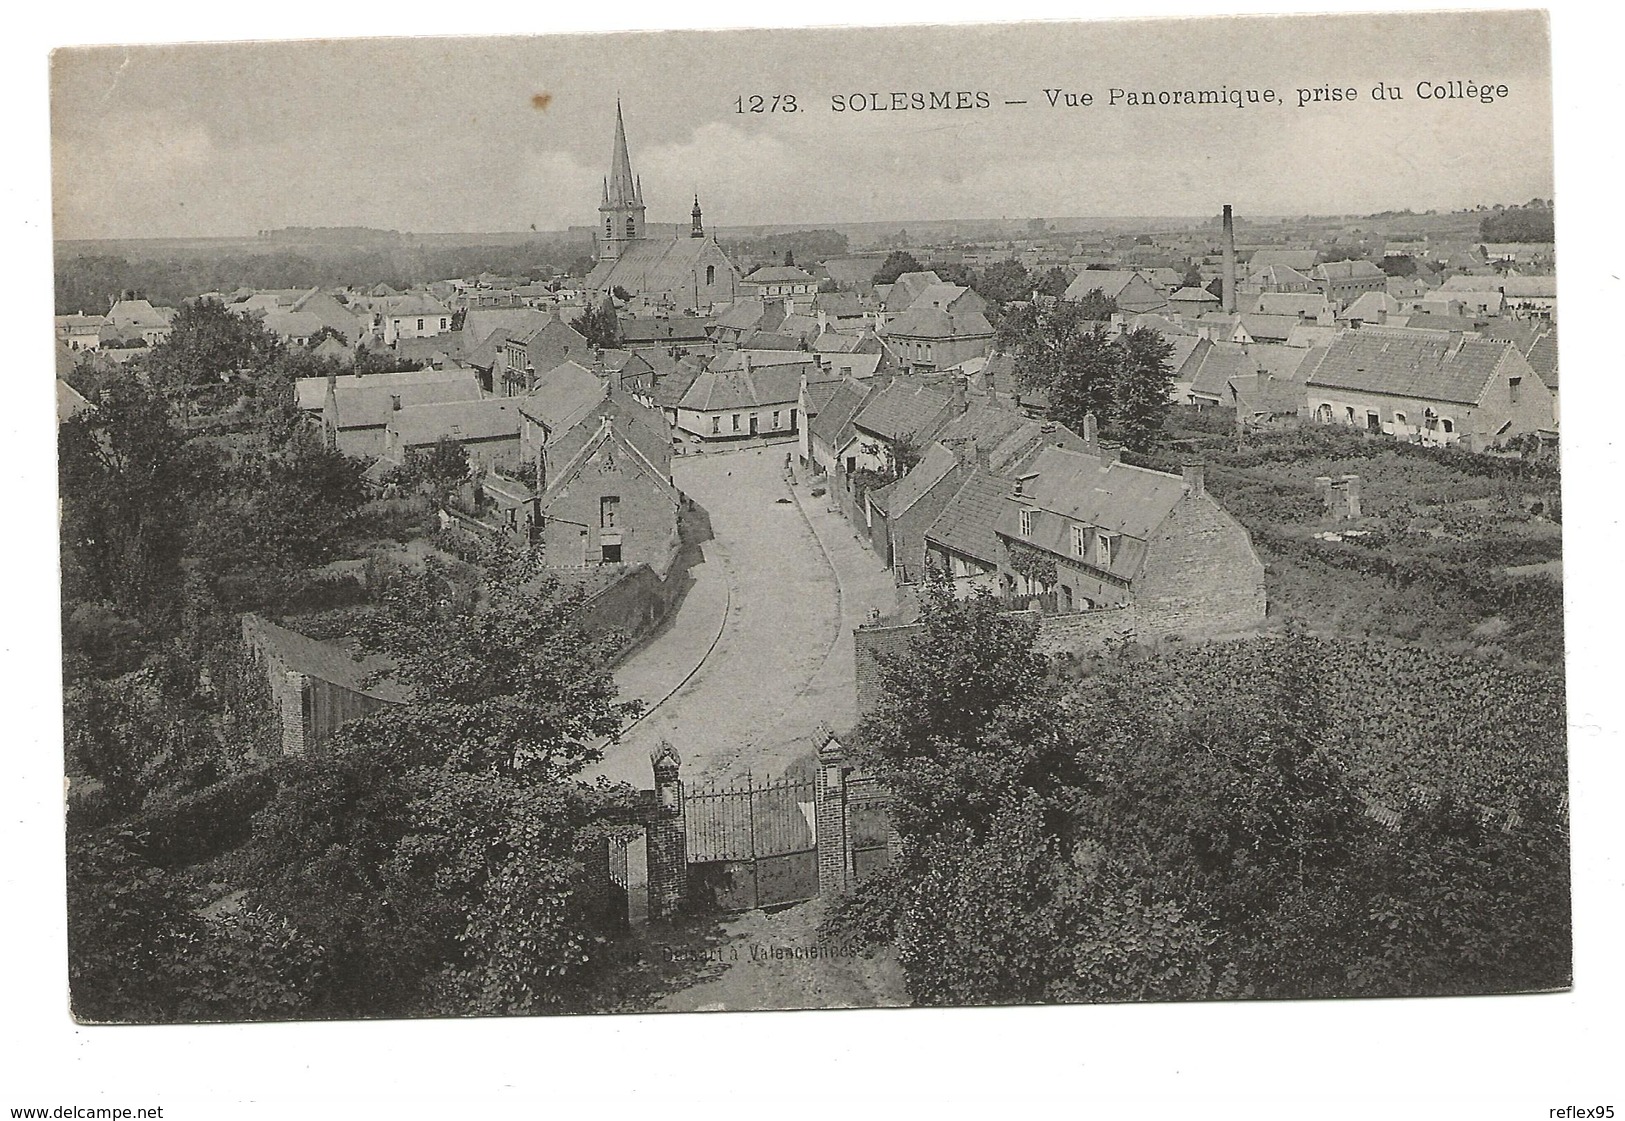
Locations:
column 1133, row 293
column 594, row 483
column 356, row 411
column 1342, row 282
column 1431, row 387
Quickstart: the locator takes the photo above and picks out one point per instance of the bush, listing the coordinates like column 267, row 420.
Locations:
column 868, row 914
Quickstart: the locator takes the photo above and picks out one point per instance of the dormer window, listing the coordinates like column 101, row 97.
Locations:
column 1103, row 545
column 1080, row 541
column 1024, row 522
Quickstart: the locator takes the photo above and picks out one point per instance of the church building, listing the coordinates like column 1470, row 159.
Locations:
column 664, row 275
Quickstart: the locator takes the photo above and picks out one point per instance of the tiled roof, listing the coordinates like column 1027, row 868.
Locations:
column 779, row 274
column 1371, row 307
column 1193, row 296
column 1272, row 327
column 662, row 329
column 904, row 408
column 1514, row 287
column 1111, row 282
column 669, row 389
column 1308, row 304
column 742, row 315
column 1299, row 260
column 934, row 466
column 485, row 355
column 965, row 525
column 368, row 403
column 486, row 419
column 833, row 423
column 739, row 388
column 311, row 393
column 1306, row 335
column 1219, row 365
column 1405, row 362
column 1009, row 438
column 907, row 288
column 480, row 323
column 923, row 322
column 1347, row 270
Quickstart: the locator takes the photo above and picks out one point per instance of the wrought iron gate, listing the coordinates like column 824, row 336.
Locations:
column 752, row 843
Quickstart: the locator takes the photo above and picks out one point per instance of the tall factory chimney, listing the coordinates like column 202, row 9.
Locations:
column 1229, row 262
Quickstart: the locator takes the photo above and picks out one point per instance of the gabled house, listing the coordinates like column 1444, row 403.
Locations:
column 356, row 411
column 1133, row 293
column 1343, row 281
column 487, row 428
column 1432, row 387
column 734, row 398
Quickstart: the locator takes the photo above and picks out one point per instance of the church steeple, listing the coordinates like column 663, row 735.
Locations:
column 697, row 228
column 620, row 217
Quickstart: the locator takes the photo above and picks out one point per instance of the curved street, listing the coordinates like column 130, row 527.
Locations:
column 760, row 650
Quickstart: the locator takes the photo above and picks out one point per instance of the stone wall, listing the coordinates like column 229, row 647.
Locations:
column 1201, row 575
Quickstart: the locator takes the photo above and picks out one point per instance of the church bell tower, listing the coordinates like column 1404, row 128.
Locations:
column 620, row 216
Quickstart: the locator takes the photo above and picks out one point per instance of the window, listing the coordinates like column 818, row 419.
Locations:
column 1512, row 389
column 716, row 426
column 1104, row 542
column 442, row 323
column 609, row 507
column 736, row 422
column 710, row 274
column 1399, row 420
column 609, row 229
column 631, row 229
column 1024, row 522
column 1449, row 426
column 612, row 553
column 1079, row 541
column 1348, row 414
column 775, row 418
column 420, row 325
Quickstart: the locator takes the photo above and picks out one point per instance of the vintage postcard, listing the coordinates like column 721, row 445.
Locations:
column 1009, row 514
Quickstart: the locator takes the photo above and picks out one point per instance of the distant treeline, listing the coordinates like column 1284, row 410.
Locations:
column 807, row 246
column 1518, row 224
column 88, row 285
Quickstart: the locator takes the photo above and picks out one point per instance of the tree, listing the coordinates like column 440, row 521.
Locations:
column 1053, row 283
column 1193, row 278
column 208, row 341
column 1004, row 282
column 126, row 477
column 789, row 258
column 436, row 850
column 897, row 262
column 599, row 326
column 1144, row 384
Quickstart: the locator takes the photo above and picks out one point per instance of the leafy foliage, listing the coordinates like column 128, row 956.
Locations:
column 599, row 326
column 1286, row 817
column 897, row 262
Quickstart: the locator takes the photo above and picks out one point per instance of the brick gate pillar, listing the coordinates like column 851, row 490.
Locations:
column 667, row 834
column 834, row 861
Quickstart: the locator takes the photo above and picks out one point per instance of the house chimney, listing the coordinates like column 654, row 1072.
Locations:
column 960, row 395
column 1229, row 288
column 1195, row 473
column 395, row 402
column 1091, row 429
column 745, row 357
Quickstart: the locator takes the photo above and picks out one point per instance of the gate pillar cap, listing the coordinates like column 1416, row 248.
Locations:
column 665, row 757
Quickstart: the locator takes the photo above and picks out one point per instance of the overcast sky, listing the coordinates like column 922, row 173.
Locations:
column 445, row 134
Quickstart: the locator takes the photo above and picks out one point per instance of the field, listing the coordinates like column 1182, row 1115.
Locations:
column 1451, row 549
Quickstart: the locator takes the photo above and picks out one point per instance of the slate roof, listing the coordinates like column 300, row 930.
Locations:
column 1306, row 335
column 1405, row 362
column 1094, row 491
column 655, row 265
column 739, row 388
column 635, row 423
column 907, row 288
column 742, row 315
column 1274, row 328
column 1536, row 340
column 412, row 304
column 904, row 408
column 1010, row 438
column 852, row 272
column 682, row 328
column 485, row 354
column 1276, row 275
column 480, row 323
column 1514, row 287
column 669, row 389
column 965, row 525
column 1111, row 282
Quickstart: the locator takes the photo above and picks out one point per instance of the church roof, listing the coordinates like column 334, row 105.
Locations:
column 652, row 266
